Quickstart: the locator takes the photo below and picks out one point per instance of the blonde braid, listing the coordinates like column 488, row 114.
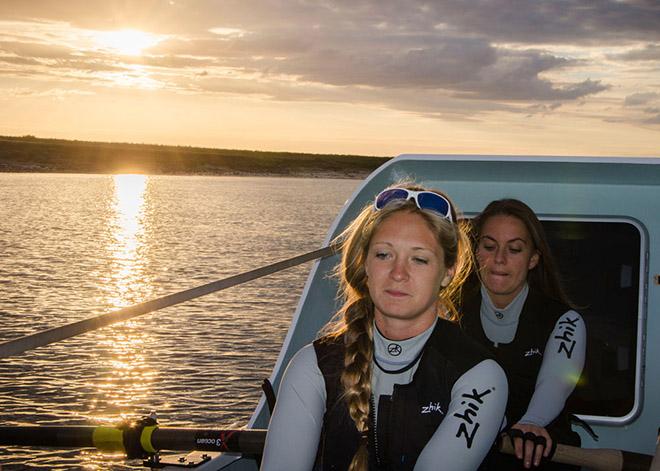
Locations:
column 356, row 376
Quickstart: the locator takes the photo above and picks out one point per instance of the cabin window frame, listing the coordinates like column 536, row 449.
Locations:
column 642, row 303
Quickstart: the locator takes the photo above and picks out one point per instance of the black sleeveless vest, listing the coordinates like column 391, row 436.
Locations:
column 521, row 359
column 408, row 418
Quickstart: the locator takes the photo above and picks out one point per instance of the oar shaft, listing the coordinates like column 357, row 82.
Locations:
column 57, row 437
column 251, row 442
column 46, row 337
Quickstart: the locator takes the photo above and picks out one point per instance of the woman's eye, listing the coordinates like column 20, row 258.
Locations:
column 488, row 248
column 420, row 260
column 381, row 255
column 515, row 250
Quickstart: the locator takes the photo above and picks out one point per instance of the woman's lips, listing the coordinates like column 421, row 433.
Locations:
column 396, row 293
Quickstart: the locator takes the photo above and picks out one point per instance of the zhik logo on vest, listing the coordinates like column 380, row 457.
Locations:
column 532, row 352
column 432, row 407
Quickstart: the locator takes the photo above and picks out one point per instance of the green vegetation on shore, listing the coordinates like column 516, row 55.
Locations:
column 32, row 154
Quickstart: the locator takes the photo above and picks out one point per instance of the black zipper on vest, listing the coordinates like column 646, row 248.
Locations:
column 374, row 432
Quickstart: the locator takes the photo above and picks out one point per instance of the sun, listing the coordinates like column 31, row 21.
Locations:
column 128, row 42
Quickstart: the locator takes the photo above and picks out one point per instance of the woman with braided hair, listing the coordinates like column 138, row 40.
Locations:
column 393, row 384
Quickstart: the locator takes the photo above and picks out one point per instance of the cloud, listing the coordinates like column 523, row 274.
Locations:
column 640, row 99
column 653, row 120
column 34, row 50
column 518, row 76
column 555, row 21
column 22, row 61
column 469, row 65
column 444, row 64
column 442, row 58
column 58, row 93
column 529, row 22
column 542, row 108
column 642, row 105
column 650, row 52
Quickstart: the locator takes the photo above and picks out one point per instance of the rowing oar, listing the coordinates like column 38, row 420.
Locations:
column 135, row 440
column 596, row 459
column 140, row 440
column 46, row 337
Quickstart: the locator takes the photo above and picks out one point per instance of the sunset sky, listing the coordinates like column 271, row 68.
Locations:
column 370, row 77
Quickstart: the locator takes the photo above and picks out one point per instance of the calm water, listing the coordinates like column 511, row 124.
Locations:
column 75, row 246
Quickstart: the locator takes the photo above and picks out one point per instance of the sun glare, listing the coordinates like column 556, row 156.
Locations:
column 128, row 42
column 129, row 376
column 126, row 249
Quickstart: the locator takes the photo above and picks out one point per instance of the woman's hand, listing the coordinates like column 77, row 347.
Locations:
column 531, row 443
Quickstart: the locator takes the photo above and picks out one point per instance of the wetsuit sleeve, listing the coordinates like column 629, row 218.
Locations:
column 295, row 427
column 473, row 419
column 563, row 360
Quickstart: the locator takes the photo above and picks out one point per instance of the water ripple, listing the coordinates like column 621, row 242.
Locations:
column 75, row 246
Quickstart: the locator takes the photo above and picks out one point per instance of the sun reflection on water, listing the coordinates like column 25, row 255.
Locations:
column 127, row 380
column 128, row 238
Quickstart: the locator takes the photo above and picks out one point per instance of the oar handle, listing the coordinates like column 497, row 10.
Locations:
column 46, row 337
column 596, row 459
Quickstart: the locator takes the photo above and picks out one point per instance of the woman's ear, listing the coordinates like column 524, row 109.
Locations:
column 449, row 274
column 533, row 260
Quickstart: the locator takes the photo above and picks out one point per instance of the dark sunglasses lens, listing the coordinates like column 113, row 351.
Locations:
column 389, row 195
column 434, row 202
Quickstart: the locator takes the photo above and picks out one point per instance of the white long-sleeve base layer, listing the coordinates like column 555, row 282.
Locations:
column 563, row 357
column 295, row 428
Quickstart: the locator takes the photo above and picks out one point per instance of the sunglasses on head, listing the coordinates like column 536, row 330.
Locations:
column 423, row 199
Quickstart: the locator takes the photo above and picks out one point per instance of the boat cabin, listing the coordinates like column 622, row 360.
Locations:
column 602, row 216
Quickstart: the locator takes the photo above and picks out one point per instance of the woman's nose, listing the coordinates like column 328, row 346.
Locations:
column 500, row 256
column 399, row 271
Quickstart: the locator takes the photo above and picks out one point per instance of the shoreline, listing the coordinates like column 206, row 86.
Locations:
column 29, row 154
column 311, row 175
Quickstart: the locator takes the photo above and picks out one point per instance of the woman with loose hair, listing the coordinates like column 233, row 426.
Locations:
column 393, row 383
column 519, row 310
